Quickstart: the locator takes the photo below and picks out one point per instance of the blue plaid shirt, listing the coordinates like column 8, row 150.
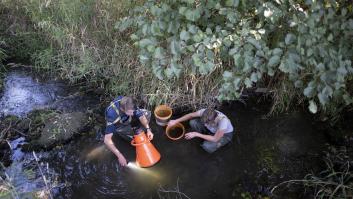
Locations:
column 111, row 115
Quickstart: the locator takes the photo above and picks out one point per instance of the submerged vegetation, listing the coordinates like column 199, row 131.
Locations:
column 9, row 188
column 335, row 181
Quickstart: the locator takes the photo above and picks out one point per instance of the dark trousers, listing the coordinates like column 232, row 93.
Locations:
column 210, row 147
column 127, row 131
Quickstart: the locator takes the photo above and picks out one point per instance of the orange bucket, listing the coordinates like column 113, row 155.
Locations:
column 162, row 114
column 146, row 154
column 175, row 132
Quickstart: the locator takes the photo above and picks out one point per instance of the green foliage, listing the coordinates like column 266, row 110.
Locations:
column 3, row 54
column 246, row 195
column 307, row 43
column 17, row 38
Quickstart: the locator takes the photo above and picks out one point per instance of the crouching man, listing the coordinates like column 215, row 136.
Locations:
column 124, row 119
column 208, row 124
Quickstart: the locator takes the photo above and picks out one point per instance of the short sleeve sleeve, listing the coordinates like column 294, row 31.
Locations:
column 223, row 124
column 110, row 129
column 110, row 117
column 138, row 113
column 200, row 112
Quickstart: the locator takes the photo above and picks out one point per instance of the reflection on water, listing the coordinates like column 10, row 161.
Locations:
column 22, row 94
column 147, row 173
column 93, row 172
column 95, row 153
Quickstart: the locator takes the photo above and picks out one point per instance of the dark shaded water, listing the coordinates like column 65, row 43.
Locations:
column 264, row 152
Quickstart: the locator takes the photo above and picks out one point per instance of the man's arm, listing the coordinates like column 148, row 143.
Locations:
column 184, row 118
column 212, row 138
column 144, row 122
column 109, row 142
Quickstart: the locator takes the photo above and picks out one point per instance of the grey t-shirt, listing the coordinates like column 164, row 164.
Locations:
column 222, row 122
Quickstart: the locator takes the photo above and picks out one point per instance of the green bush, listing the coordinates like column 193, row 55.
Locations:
column 306, row 44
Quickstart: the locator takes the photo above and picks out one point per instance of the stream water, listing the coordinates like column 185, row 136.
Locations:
column 264, row 152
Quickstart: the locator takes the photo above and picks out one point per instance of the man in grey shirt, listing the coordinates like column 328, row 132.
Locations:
column 209, row 124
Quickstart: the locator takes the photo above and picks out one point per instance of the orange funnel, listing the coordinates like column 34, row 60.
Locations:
column 146, row 154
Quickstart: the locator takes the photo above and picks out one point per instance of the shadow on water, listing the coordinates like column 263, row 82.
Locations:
column 264, row 151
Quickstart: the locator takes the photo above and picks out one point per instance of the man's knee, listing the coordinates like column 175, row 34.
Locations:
column 195, row 124
column 125, row 132
column 210, row 147
column 126, row 137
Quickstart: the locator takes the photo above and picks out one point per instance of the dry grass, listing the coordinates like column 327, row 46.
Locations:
column 335, row 181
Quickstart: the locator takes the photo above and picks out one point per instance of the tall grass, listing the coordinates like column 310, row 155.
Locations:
column 334, row 181
column 17, row 36
column 285, row 97
column 3, row 56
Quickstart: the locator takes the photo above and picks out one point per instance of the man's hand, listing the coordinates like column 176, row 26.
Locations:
column 191, row 135
column 149, row 134
column 172, row 122
column 122, row 160
column 109, row 142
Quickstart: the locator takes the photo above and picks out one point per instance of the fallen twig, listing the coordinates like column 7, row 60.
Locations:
column 43, row 176
column 4, row 132
column 176, row 191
